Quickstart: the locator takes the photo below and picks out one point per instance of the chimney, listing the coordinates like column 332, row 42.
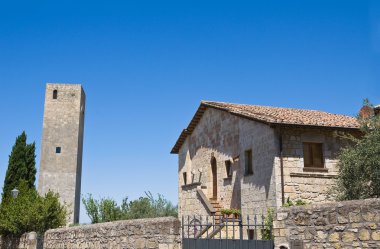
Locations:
column 376, row 110
column 366, row 112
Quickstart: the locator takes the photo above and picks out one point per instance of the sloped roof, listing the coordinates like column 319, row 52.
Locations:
column 271, row 116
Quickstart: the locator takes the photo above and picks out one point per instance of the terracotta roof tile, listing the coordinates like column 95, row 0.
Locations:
column 291, row 116
column 271, row 116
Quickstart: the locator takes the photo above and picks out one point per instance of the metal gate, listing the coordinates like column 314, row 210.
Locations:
column 217, row 232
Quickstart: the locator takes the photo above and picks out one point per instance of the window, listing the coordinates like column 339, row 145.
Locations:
column 55, row 94
column 184, row 174
column 251, row 234
column 313, row 155
column 248, row 162
column 228, row 168
column 58, row 150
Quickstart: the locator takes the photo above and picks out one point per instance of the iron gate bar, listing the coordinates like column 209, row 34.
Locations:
column 193, row 236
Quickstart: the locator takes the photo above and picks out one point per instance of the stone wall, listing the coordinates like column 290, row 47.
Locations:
column 299, row 182
column 258, row 190
column 349, row 224
column 158, row 233
column 25, row 241
column 226, row 137
column 216, row 135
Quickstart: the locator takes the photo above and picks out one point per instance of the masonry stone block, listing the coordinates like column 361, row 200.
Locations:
column 356, row 231
column 62, row 145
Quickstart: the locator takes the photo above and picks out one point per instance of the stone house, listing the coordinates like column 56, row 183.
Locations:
column 254, row 157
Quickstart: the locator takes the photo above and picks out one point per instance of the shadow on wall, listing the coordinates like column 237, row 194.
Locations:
column 236, row 193
column 9, row 242
column 263, row 170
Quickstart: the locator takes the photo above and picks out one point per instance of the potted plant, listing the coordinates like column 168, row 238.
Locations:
column 227, row 213
column 236, row 213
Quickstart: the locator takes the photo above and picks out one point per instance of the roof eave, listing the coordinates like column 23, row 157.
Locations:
column 204, row 105
column 275, row 125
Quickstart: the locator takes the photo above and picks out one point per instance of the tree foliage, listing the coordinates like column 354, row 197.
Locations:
column 21, row 166
column 359, row 164
column 107, row 209
column 31, row 212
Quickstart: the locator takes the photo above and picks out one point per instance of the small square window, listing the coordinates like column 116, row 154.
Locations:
column 228, row 168
column 57, row 150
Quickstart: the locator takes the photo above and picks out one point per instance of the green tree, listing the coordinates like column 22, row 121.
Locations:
column 106, row 209
column 92, row 208
column 21, row 166
column 31, row 212
column 359, row 163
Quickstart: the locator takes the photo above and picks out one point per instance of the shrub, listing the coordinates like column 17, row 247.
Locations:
column 290, row 203
column 31, row 212
column 267, row 231
column 359, row 163
column 106, row 209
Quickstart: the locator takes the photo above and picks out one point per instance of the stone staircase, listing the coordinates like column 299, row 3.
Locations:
column 218, row 215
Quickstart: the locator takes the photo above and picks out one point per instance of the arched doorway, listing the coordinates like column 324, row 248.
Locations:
column 214, row 178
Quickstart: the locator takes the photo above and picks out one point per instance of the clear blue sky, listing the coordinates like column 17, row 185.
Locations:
column 146, row 65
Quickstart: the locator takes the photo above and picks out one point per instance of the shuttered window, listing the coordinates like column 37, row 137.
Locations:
column 313, row 155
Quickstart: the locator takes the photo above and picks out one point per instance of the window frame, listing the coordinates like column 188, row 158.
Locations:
column 58, row 150
column 311, row 153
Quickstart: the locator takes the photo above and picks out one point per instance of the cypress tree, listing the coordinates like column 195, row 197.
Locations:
column 21, row 165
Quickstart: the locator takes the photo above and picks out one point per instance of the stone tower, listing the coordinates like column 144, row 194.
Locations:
column 62, row 145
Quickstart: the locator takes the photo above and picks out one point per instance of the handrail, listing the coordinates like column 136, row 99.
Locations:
column 205, row 200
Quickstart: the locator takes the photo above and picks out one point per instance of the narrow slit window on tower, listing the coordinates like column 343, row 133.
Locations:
column 55, row 94
column 58, row 150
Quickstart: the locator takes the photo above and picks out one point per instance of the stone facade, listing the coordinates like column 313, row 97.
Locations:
column 225, row 137
column 62, row 145
column 158, row 233
column 349, row 224
column 299, row 183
